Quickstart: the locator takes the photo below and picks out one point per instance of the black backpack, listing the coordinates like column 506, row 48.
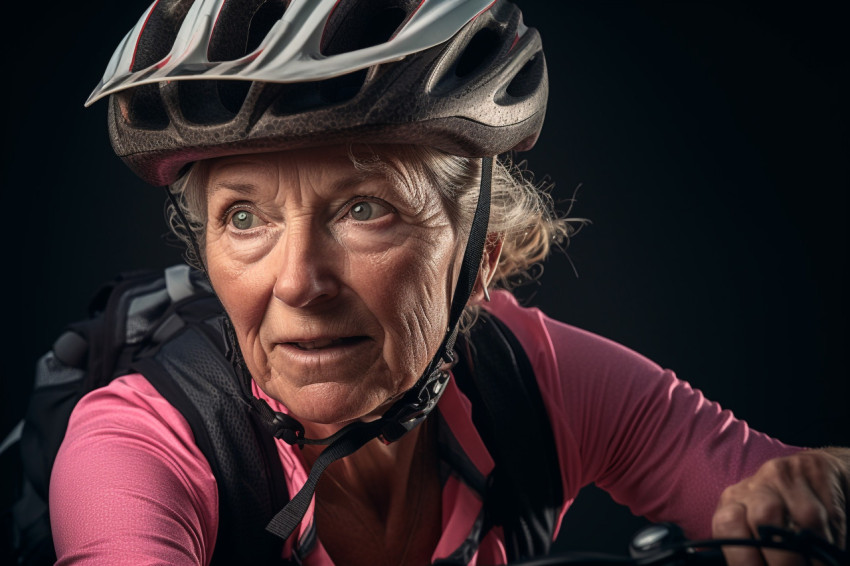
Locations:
column 167, row 325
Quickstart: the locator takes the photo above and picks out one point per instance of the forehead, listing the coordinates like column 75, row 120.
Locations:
column 312, row 165
column 327, row 170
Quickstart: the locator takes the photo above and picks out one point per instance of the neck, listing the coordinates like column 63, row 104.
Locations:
column 376, row 474
column 381, row 505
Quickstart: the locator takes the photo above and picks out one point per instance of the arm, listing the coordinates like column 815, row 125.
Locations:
column 658, row 446
column 129, row 485
column 649, row 439
column 652, row 441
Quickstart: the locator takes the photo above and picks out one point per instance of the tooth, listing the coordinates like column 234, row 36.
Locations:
column 316, row 344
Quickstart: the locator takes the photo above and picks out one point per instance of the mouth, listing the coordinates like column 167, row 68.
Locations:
column 327, row 343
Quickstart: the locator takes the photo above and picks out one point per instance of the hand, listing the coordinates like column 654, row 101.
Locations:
column 808, row 490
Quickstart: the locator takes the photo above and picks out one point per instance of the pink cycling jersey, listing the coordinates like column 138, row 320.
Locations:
column 131, row 487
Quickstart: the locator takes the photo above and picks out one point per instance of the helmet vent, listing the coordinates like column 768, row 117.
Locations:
column 340, row 89
column 241, row 26
column 232, row 94
column 159, row 32
column 264, row 18
column 144, row 107
column 528, row 79
column 203, row 102
column 360, row 25
column 480, row 51
column 300, row 97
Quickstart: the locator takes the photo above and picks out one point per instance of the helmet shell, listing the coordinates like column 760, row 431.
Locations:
column 480, row 93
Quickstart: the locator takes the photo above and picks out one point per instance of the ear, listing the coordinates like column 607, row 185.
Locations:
column 489, row 261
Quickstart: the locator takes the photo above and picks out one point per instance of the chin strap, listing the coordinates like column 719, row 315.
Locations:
column 405, row 414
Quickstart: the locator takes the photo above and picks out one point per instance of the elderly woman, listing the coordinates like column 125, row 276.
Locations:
column 331, row 168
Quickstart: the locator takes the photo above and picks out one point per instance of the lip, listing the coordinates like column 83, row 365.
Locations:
column 324, row 342
column 325, row 351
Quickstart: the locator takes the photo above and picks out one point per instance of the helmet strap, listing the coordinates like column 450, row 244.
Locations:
column 415, row 405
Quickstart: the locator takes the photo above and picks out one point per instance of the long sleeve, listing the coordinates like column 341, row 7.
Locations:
column 129, row 485
column 646, row 437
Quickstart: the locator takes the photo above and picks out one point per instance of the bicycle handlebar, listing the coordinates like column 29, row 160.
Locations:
column 664, row 544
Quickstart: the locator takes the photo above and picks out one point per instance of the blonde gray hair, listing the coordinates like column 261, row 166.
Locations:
column 522, row 213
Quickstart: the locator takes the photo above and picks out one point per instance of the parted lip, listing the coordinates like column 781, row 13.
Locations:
column 324, row 341
column 312, row 361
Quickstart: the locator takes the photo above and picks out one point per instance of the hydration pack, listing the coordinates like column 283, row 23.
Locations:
column 167, row 325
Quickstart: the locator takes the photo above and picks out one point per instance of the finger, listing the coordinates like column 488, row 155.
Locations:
column 824, row 478
column 730, row 521
column 766, row 506
column 813, row 495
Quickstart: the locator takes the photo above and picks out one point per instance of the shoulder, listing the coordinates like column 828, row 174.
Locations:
column 559, row 348
column 129, row 475
column 128, row 402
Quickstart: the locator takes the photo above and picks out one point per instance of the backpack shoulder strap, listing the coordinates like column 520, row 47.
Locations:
column 191, row 372
column 166, row 326
column 525, row 491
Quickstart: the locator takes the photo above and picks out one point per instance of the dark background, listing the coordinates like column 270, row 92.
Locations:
column 706, row 141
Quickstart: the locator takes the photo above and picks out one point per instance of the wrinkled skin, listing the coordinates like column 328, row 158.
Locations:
column 338, row 284
column 808, row 491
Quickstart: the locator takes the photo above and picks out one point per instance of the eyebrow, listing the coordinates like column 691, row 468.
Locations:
column 349, row 183
column 245, row 188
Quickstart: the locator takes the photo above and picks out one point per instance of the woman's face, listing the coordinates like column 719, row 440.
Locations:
column 337, row 282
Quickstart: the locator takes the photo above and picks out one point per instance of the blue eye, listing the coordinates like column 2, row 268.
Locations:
column 368, row 210
column 244, row 220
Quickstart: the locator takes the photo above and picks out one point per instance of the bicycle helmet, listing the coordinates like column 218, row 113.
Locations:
column 198, row 79
column 202, row 79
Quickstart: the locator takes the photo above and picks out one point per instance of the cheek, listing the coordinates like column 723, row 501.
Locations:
column 244, row 299
column 235, row 269
column 410, row 293
column 244, row 294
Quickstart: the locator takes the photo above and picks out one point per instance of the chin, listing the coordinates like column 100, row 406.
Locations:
column 330, row 404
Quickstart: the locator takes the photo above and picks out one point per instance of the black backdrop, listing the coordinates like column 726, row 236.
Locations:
column 706, row 141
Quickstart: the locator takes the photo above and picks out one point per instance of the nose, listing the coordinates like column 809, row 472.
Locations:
column 306, row 273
